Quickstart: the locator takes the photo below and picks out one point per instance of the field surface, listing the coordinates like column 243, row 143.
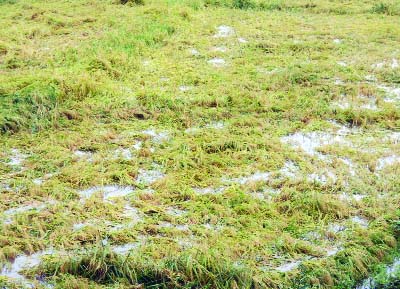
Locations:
column 199, row 144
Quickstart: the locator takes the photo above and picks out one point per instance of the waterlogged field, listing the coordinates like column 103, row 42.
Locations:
column 199, row 144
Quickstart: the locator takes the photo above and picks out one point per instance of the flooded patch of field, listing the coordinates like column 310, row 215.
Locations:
column 108, row 192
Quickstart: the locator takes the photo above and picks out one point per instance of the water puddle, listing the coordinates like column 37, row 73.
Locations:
column 179, row 227
column 184, row 88
column 175, row 212
column 387, row 161
column 194, row 52
column 218, row 125
column 209, row 191
column 332, row 251
column 217, row 62
column 80, row 226
column 14, row 270
column 390, row 272
column 12, row 212
column 393, row 137
column 394, row 64
column 108, row 191
column 213, row 227
column 269, row 71
column 123, row 153
column 312, row 236
column 352, row 197
column 220, row 49
column 125, row 249
column 4, row 187
column 393, row 93
column 379, row 65
column 289, row 170
column 362, row 222
column 338, row 81
column 185, row 243
column 325, row 178
column 224, row 31
column 38, row 181
column 265, row 195
column 16, row 158
column 84, row 155
column 350, row 165
column 148, row 177
column 336, row 228
column 288, row 266
column 146, row 62
column 157, row 137
column 371, row 78
column 256, row 177
column 132, row 213
column 309, row 142
column 361, row 101
column 137, row 146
